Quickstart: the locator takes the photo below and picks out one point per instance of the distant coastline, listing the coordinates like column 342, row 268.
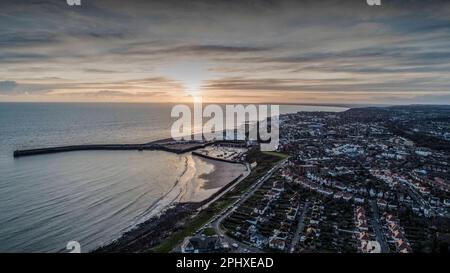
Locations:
column 319, row 104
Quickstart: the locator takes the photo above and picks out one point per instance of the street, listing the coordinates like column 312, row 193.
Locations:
column 300, row 226
column 216, row 224
column 377, row 228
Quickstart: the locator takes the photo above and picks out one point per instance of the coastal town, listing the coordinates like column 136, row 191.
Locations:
column 226, row 135
column 367, row 180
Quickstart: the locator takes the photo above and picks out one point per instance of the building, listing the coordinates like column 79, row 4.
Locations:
column 201, row 244
column 304, row 169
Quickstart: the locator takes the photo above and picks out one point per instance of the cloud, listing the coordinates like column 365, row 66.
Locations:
column 327, row 85
column 196, row 50
column 14, row 40
column 7, row 86
column 252, row 46
column 99, row 70
column 420, row 99
column 12, row 88
column 113, row 93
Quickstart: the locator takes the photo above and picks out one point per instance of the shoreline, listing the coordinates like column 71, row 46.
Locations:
column 172, row 216
column 151, row 232
column 192, row 190
column 144, row 236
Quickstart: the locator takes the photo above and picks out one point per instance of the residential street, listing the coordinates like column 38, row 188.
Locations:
column 377, row 227
column 216, row 224
column 300, row 226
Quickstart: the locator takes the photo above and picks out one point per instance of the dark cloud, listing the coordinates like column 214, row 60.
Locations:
column 14, row 88
column 13, row 40
column 7, row 86
column 19, row 57
column 191, row 50
column 422, row 99
column 213, row 49
column 251, row 45
column 114, row 93
column 326, row 85
column 99, row 70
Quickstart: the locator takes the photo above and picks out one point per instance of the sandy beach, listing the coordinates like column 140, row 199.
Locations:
column 199, row 181
column 210, row 176
column 223, row 173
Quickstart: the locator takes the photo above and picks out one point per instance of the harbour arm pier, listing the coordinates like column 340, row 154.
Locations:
column 172, row 147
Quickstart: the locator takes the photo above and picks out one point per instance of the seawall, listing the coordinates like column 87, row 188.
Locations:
column 215, row 158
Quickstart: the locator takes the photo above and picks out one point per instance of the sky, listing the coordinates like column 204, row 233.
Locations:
column 242, row 51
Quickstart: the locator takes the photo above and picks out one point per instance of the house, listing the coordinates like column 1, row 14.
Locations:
column 338, row 195
column 382, row 203
column 291, row 214
column 340, row 186
column 201, row 244
column 364, row 236
column 325, row 191
column 447, row 202
column 402, row 246
column 347, row 196
column 277, row 243
column 304, row 169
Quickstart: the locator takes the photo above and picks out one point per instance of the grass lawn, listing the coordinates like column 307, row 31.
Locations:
column 178, row 236
column 209, row 232
column 278, row 154
column 201, row 219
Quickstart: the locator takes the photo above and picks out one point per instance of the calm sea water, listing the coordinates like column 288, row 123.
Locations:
column 91, row 197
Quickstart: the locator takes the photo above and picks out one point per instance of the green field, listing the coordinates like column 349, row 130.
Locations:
column 209, row 232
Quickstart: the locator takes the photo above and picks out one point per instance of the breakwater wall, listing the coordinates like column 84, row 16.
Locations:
column 167, row 145
column 109, row 147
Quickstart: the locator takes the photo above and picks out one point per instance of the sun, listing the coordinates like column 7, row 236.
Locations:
column 192, row 74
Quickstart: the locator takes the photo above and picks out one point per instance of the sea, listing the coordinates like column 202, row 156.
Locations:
column 91, row 197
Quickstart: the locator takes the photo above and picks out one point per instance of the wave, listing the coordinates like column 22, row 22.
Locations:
column 163, row 203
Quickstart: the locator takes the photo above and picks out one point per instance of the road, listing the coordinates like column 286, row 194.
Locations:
column 300, row 226
column 379, row 234
column 217, row 221
column 416, row 196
